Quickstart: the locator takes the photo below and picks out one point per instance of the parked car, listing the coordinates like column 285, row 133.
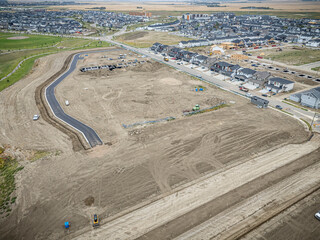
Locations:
column 35, row 117
column 264, row 95
column 279, row 107
column 317, row 215
column 67, row 103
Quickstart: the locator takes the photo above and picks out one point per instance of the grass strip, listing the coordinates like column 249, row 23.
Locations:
column 295, row 105
column 8, row 168
column 308, row 124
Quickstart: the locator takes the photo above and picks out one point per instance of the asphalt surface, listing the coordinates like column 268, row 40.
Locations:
column 88, row 133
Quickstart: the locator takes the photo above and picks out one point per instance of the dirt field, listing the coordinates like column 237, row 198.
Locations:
column 148, row 38
column 294, row 6
column 297, row 222
column 137, row 165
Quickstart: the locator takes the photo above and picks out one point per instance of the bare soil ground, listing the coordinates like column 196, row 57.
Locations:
column 279, row 6
column 138, row 165
column 18, row 38
column 297, row 222
column 148, row 38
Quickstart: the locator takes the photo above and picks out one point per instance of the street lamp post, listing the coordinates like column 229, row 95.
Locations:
column 312, row 121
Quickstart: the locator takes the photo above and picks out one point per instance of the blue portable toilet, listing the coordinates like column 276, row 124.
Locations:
column 66, row 225
column 201, row 89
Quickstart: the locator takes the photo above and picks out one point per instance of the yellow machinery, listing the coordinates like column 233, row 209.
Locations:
column 95, row 221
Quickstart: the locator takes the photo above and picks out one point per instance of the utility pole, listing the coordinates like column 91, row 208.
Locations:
column 312, row 121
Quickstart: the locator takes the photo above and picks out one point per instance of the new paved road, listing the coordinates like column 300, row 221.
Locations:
column 88, row 133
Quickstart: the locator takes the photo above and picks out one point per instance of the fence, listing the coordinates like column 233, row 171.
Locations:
column 148, row 122
column 203, row 110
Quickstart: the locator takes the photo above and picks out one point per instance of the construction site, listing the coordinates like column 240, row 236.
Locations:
column 180, row 159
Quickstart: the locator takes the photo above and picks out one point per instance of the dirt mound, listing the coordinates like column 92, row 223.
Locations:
column 135, row 35
column 213, row 101
column 147, row 67
column 89, row 201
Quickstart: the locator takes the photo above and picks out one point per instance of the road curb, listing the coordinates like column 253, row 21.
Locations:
column 78, row 142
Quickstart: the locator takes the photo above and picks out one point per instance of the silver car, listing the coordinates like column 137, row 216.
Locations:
column 317, row 215
column 35, row 117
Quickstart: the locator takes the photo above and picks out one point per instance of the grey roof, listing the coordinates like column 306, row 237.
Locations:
column 314, row 91
column 201, row 57
column 235, row 67
column 281, row 80
column 247, row 71
column 224, row 64
column 262, row 74
column 260, row 99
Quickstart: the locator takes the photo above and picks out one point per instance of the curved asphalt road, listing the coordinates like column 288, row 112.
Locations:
column 88, row 133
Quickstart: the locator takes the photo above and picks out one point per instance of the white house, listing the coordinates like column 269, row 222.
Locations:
column 279, row 85
column 309, row 98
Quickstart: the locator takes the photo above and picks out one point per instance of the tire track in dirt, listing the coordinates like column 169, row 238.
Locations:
column 235, row 222
column 143, row 220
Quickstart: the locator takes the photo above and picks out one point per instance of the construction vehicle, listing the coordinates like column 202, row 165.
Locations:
column 196, row 108
column 66, row 225
column 166, row 59
column 95, row 221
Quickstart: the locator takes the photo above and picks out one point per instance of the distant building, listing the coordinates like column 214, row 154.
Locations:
column 198, row 16
column 144, row 14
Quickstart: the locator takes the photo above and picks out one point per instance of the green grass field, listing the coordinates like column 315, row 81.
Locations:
column 291, row 56
column 10, row 59
column 8, row 168
column 33, row 41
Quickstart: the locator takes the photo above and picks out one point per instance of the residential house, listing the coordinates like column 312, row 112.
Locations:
column 243, row 74
column 224, row 68
column 309, row 98
column 279, row 85
column 198, row 59
column 259, row 78
column 187, row 56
